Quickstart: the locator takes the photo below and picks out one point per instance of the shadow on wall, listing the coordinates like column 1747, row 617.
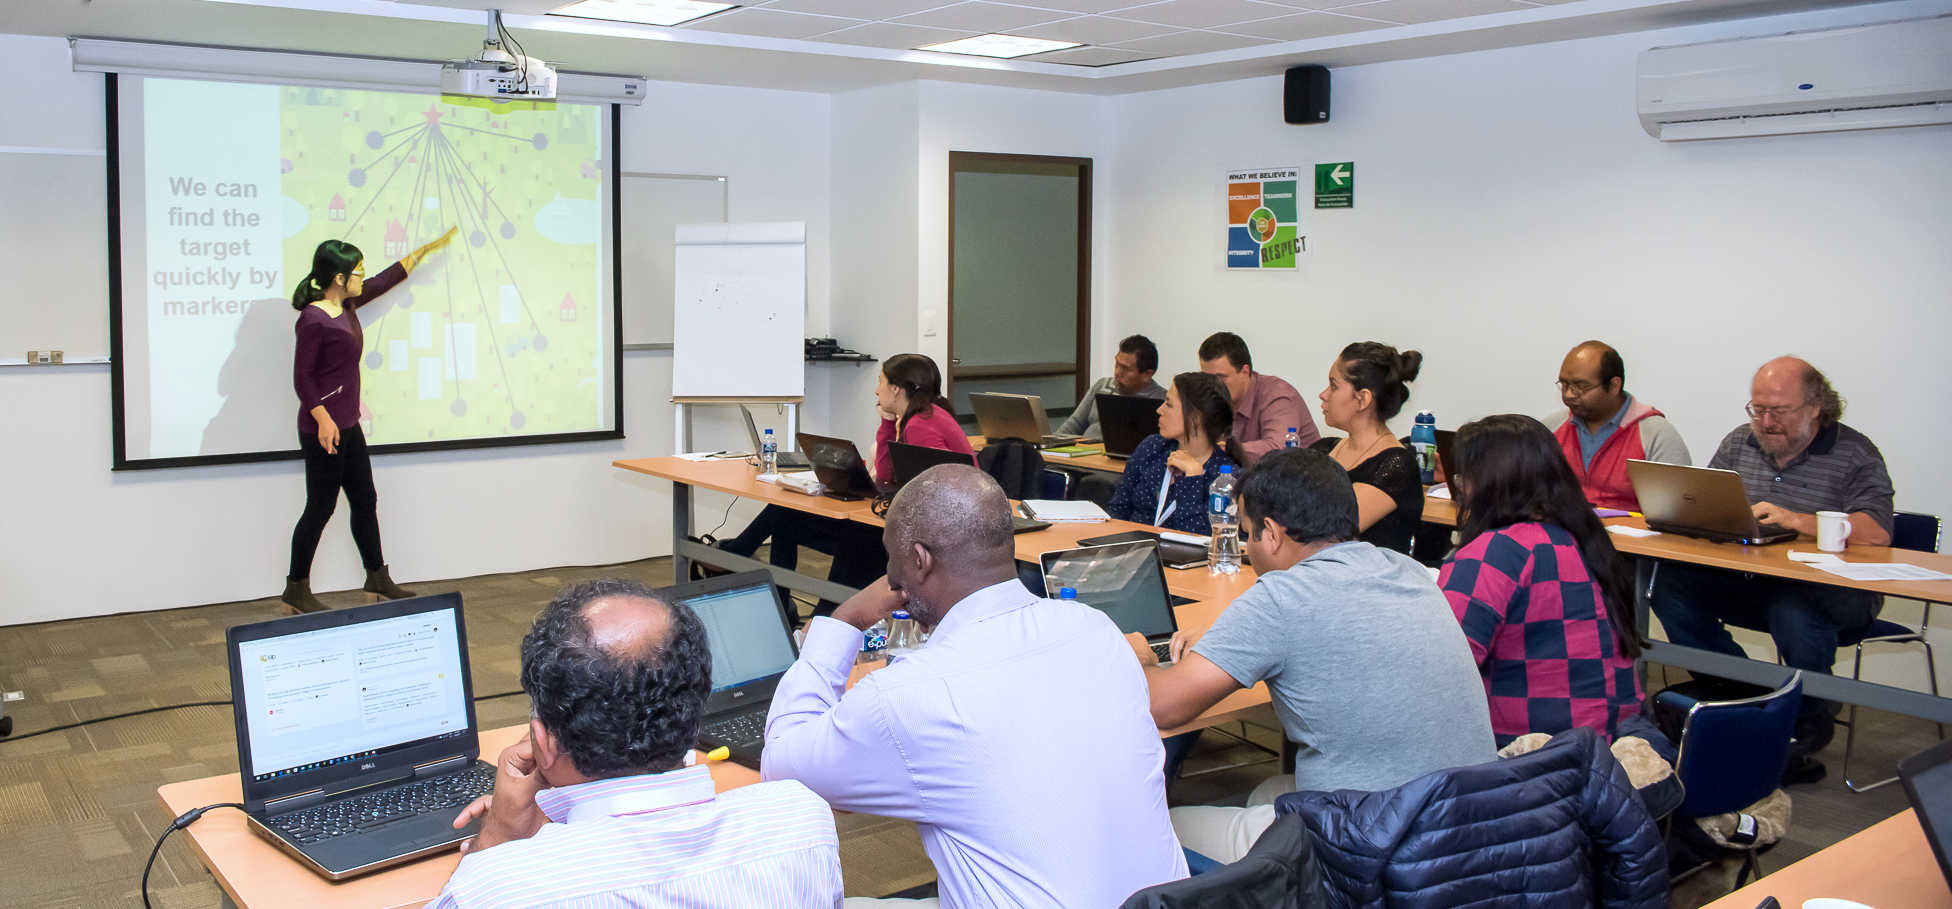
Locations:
column 260, row 410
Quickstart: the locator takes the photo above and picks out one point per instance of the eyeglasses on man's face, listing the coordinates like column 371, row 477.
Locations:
column 1577, row 389
column 1776, row 414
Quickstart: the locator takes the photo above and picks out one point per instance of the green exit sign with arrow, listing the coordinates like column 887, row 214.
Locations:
column 1335, row 185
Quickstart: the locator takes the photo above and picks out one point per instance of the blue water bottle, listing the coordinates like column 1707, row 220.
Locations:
column 1423, row 440
column 1223, row 513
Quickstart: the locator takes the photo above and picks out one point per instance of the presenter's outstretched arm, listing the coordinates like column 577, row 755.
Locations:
column 412, row 260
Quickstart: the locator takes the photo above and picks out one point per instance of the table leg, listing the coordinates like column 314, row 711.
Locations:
column 680, row 530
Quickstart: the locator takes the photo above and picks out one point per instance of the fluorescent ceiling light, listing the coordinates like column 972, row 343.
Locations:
column 649, row 12
column 999, row 46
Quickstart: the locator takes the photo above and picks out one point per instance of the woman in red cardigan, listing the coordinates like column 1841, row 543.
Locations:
column 908, row 396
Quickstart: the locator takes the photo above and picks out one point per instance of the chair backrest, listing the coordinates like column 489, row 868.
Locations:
column 1279, row 872
column 1056, row 484
column 1916, row 532
column 1733, row 752
column 1016, row 465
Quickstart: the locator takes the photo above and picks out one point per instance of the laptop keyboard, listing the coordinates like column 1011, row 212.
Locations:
column 1164, row 649
column 377, row 809
column 744, row 729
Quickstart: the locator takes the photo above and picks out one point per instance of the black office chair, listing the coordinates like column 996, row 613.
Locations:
column 1279, row 872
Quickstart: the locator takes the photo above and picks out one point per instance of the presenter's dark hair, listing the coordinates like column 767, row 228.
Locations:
column 1305, row 492
column 332, row 259
column 1226, row 344
column 617, row 710
column 916, row 375
column 1377, row 368
column 1209, row 410
column 1142, row 349
column 1512, row 471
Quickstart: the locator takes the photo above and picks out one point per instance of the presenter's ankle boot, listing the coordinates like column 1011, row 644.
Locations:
column 380, row 586
column 298, row 596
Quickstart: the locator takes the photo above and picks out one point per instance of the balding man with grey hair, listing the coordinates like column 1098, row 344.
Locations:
column 1019, row 740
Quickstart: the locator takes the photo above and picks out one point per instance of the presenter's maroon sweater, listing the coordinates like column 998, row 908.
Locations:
column 326, row 368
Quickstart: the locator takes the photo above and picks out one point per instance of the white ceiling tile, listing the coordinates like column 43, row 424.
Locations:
column 856, row 9
column 1192, row 42
column 1086, row 6
column 1413, row 12
column 1304, row 26
column 893, row 35
column 770, row 23
column 1095, row 30
column 1203, row 13
column 983, row 17
column 1093, row 56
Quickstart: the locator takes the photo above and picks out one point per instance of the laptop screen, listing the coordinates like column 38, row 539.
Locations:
column 1123, row 580
column 317, row 698
column 748, row 636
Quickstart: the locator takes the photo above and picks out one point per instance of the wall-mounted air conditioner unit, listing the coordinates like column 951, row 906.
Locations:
column 1861, row 77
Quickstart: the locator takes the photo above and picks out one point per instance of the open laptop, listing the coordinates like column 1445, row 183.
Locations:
column 751, row 638
column 1007, row 416
column 839, row 467
column 788, row 460
column 1699, row 502
column 1125, row 420
column 356, row 737
column 911, row 460
column 1927, row 776
column 1122, row 580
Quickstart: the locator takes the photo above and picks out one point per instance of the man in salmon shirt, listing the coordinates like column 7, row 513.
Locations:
column 1603, row 427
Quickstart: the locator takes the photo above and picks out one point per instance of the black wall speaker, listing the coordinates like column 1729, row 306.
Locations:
column 1306, row 98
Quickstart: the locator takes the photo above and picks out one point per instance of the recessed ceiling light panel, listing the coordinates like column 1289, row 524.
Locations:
column 1005, row 46
column 648, row 12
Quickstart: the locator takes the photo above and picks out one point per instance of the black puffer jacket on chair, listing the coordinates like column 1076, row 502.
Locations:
column 1559, row 827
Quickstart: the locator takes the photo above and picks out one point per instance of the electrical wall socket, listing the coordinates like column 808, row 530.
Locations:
column 43, row 357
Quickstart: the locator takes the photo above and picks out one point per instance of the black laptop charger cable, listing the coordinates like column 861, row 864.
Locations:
column 185, row 820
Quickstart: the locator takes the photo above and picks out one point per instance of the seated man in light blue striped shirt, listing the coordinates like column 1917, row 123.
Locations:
column 596, row 808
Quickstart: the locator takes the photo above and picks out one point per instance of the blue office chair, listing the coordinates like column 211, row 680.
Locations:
column 1732, row 752
column 1919, row 533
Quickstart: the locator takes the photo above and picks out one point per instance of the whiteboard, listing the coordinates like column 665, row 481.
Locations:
column 652, row 207
column 740, row 321
column 54, row 252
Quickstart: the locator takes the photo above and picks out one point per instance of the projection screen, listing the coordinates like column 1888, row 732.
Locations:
column 219, row 194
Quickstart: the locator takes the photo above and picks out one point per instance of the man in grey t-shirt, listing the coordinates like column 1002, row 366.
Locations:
column 1132, row 368
column 1369, row 671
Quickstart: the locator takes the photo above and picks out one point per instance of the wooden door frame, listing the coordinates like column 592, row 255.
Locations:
column 1082, row 353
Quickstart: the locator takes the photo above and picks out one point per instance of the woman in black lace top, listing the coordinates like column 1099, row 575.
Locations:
column 1366, row 387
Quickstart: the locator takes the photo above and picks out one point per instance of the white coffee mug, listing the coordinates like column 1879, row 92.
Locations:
column 1832, row 530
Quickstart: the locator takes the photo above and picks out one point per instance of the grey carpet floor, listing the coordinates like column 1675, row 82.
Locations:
column 78, row 810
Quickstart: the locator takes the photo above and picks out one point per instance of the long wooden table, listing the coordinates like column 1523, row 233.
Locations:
column 253, row 873
column 1888, row 865
column 1768, row 561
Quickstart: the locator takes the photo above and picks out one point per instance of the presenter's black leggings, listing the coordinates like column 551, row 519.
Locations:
column 350, row 469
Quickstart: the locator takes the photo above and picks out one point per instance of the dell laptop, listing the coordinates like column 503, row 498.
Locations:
column 1125, row 420
column 1006, row 416
column 356, row 736
column 787, row 460
column 1699, row 502
column 839, row 467
column 751, row 639
column 911, row 460
column 1122, row 580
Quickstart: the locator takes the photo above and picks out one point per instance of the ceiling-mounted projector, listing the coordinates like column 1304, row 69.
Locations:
column 496, row 73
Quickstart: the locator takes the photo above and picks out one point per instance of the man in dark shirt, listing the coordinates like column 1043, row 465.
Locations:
column 1795, row 459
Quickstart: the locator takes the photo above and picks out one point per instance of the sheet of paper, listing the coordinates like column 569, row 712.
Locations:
column 1627, row 531
column 1439, row 491
column 1814, row 558
column 1883, row 571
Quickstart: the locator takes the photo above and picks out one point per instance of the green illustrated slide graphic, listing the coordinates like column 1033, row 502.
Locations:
column 500, row 333
column 1335, row 185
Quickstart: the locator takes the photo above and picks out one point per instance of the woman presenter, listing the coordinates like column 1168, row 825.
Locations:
column 325, row 373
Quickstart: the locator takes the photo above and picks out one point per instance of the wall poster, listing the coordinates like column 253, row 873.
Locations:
column 1262, row 218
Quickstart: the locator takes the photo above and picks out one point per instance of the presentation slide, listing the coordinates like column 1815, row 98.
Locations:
column 227, row 189
column 323, row 697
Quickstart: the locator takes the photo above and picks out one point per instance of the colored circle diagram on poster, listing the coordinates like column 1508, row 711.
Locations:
column 1261, row 218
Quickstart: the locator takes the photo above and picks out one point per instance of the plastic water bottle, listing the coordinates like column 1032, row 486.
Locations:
column 1294, row 438
column 904, row 635
column 1067, row 593
column 874, row 643
column 1223, row 512
column 1423, row 439
column 768, row 454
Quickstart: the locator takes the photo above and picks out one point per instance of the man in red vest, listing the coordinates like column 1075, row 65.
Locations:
column 1603, row 427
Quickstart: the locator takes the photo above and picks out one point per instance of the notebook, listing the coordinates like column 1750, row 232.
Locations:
column 1007, row 416
column 1125, row 420
column 1122, row 580
column 356, row 736
column 751, row 639
column 1699, row 502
